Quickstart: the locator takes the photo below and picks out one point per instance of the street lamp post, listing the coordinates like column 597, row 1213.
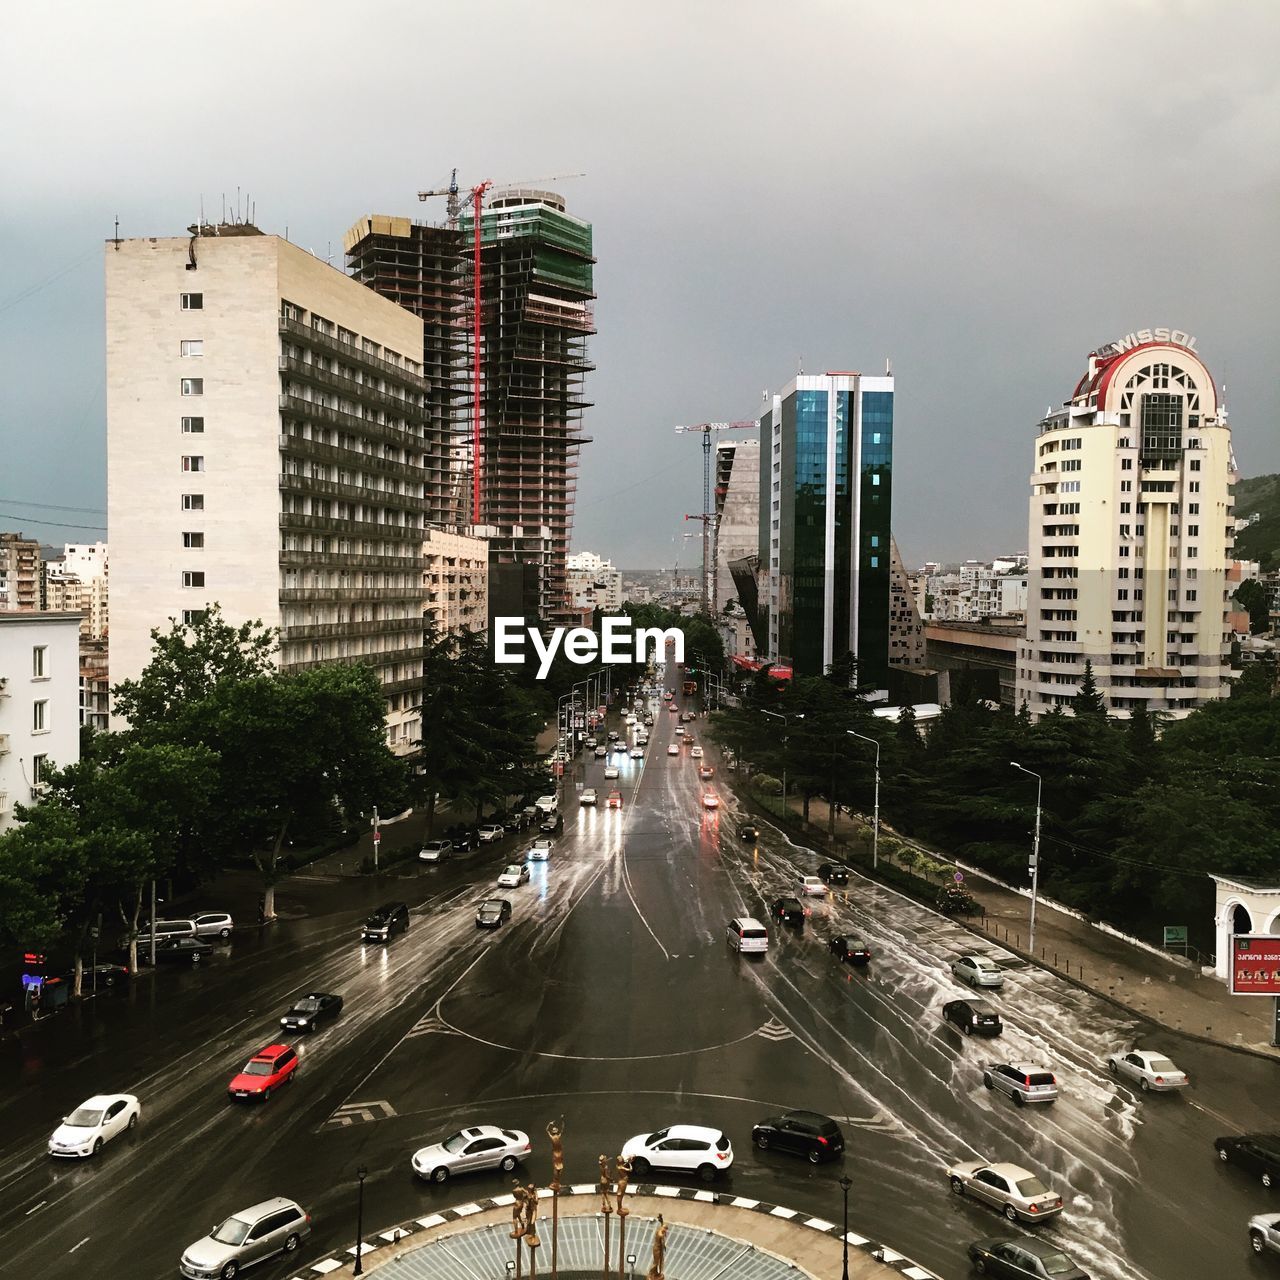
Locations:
column 784, row 716
column 361, row 1174
column 875, row 820
column 1035, row 856
column 845, row 1183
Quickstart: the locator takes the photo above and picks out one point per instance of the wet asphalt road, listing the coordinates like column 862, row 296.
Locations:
column 611, row 999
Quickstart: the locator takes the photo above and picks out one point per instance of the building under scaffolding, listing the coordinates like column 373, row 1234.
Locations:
column 536, row 315
column 420, row 267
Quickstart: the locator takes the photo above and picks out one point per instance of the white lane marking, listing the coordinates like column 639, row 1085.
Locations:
column 34, row 1207
column 74, row 1247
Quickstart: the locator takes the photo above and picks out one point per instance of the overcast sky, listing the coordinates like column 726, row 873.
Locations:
column 981, row 192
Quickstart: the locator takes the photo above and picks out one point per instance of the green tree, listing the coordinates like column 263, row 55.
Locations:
column 1254, row 597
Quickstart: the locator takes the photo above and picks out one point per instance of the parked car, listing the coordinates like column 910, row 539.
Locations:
column 93, row 1123
column 481, row 1146
column 1015, row 1191
column 685, row 1147
column 973, row 1017
column 463, row 840
column 175, row 951
column 313, row 1009
column 514, row 823
column 435, row 851
column 812, row 887
column 749, row 831
column 1023, row 1083
column 1025, row 1258
column 163, row 929
column 1148, row 1070
column 99, row 975
column 804, row 1133
column 513, row 875
column 492, row 913
column 249, row 1236
column 588, row 797
column 263, row 1074
column 540, row 849
column 388, row 920
column 553, row 822
column 849, row 949
column 213, row 924
column 788, row 911
column 977, row 970
column 1256, row 1153
column 489, row 832
column 1264, row 1233
column 833, row 873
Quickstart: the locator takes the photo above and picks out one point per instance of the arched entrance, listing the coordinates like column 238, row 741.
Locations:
column 1243, row 905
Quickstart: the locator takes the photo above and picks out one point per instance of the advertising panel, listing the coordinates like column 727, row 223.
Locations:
column 1255, row 964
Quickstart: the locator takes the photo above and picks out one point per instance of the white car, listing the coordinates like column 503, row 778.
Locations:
column 540, row 850
column 93, row 1122
column 588, row 796
column 977, row 971
column 435, row 850
column 679, row 731
column 482, row 1146
column 637, row 752
column 490, row 832
column 1014, row 1191
column 813, row 886
column 710, row 800
column 610, row 771
column 547, row 804
column 513, row 876
column 687, row 1147
column 213, row 924
column 673, row 750
column 696, row 753
column 1148, row 1070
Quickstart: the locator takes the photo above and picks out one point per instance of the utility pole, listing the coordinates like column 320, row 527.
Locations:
column 377, row 837
column 1035, row 857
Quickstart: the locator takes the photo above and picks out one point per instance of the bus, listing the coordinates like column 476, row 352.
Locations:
column 690, row 688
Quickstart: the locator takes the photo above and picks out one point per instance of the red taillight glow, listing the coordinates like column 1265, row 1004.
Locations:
column 822, row 1140
column 1034, row 1208
column 1159, row 1079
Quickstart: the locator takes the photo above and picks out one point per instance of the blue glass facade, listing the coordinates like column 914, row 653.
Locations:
column 876, row 484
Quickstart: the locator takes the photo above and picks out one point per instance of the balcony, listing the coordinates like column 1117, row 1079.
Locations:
column 4, row 744
column 346, row 594
column 411, row 437
column 353, row 354
column 342, row 492
column 353, row 630
column 292, row 523
column 363, row 392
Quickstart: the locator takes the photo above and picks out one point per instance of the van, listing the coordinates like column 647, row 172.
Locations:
column 164, row 929
column 748, row 935
column 386, row 922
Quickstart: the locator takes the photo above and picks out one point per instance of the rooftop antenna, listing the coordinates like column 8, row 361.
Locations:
column 800, row 364
column 888, row 367
column 116, row 238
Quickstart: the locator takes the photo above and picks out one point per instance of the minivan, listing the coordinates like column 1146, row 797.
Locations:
column 164, row 929
column 386, row 922
column 748, row 935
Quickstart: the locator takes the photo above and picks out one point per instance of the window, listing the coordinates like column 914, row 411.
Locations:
column 193, row 386
column 190, row 617
column 1125, row 508
column 1126, row 464
column 192, row 462
column 1191, row 595
column 39, row 768
column 190, row 579
column 193, row 347
column 39, row 653
column 40, row 716
column 193, row 426
column 193, row 540
column 1193, row 508
column 1193, row 531
column 1192, row 553
column 1195, row 464
column 1194, row 486
column 193, row 502
column 192, row 301
column 1126, row 486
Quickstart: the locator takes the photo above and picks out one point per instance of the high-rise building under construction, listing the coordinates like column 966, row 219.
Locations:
column 536, row 294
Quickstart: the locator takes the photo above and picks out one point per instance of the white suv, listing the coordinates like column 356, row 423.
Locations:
column 547, row 804
column 686, row 1147
column 588, row 796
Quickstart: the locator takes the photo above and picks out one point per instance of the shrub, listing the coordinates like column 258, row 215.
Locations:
column 767, row 784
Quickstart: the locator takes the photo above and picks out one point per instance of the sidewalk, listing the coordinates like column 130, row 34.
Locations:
column 1162, row 989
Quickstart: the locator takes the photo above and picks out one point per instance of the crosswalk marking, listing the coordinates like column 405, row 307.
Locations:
column 361, row 1113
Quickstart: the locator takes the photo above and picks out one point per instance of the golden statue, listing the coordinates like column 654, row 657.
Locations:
column 531, row 1217
column 606, row 1186
column 623, row 1167
column 655, row 1272
column 518, row 1211
column 556, row 1133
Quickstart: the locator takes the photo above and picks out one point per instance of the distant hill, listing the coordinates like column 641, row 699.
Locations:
column 1261, row 541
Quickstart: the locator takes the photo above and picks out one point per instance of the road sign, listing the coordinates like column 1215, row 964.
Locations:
column 1255, row 964
column 1175, row 935
column 377, row 837
column 958, row 877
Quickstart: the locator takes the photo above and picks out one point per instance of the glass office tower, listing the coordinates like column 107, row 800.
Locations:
column 826, row 452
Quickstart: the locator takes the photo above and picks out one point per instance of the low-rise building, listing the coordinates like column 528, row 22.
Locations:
column 593, row 583
column 983, row 653
column 39, row 702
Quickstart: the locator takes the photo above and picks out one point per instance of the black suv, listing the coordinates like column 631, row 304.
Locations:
column 805, row 1133
column 833, row 873
column 788, row 910
column 1256, row 1153
column 849, row 949
column 973, row 1017
column 386, row 922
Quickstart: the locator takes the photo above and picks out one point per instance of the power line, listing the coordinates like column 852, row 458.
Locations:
column 31, row 290
column 57, row 524
column 53, row 506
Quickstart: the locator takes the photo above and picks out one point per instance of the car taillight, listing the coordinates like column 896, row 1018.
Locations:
column 1159, row 1079
column 1034, row 1208
column 722, row 1155
column 822, row 1140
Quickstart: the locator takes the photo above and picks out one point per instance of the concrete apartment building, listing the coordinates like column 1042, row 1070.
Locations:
column 39, row 702
column 78, row 579
column 1130, row 534
column 19, row 572
column 977, row 590
column 266, row 442
column 737, row 513
column 455, row 580
column 593, row 582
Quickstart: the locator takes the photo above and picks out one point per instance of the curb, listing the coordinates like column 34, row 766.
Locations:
column 394, row 1236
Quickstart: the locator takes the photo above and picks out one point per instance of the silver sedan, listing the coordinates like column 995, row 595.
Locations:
column 1015, row 1191
column 482, row 1146
column 1147, row 1070
column 977, row 971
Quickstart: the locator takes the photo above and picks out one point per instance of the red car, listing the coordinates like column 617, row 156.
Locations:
column 615, row 800
column 263, row 1074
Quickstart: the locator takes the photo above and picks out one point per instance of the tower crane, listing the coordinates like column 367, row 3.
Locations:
column 453, row 209
column 708, row 511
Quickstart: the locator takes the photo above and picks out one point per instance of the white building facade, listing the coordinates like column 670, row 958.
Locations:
column 265, row 451
column 1130, row 534
column 593, row 582
column 455, row 579
column 39, row 702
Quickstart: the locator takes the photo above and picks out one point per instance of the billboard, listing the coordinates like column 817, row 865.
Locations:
column 1255, row 964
